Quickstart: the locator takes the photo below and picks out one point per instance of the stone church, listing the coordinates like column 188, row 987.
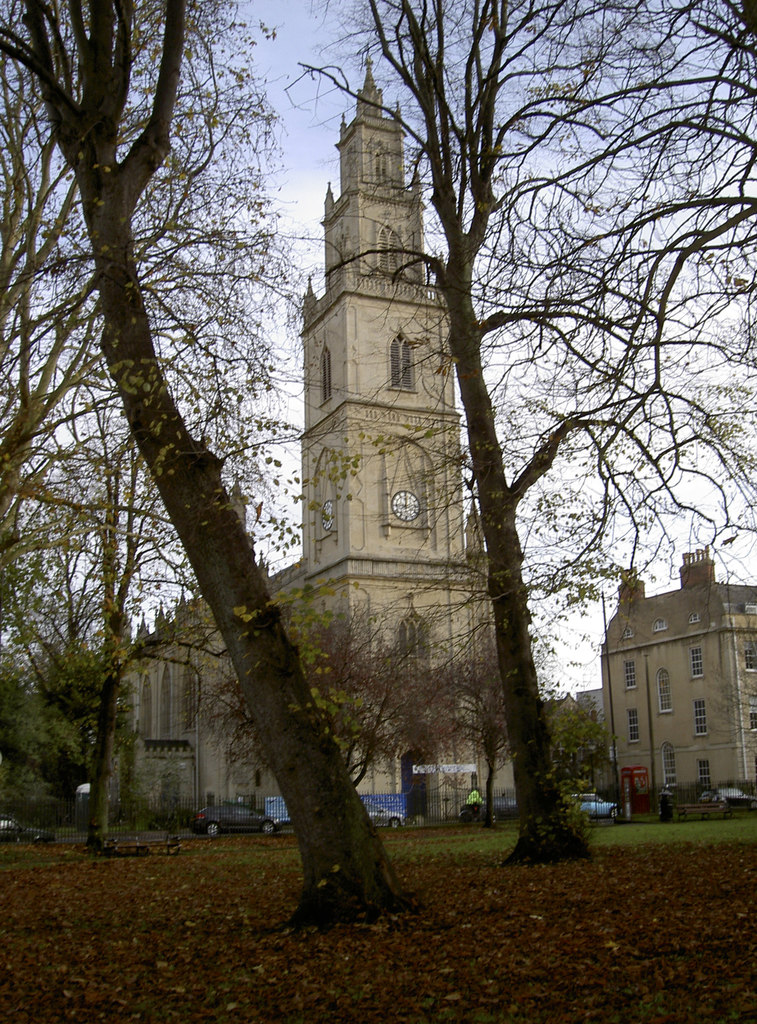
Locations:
column 384, row 535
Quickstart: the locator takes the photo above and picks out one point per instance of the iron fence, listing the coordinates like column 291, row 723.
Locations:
column 68, row 818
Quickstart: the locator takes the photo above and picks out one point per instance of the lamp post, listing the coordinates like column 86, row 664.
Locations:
column 652, row 772
column 612, row 709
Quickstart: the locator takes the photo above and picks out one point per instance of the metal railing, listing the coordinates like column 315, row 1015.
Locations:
column 68, row 818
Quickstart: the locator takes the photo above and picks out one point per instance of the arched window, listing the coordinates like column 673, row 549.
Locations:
column 325, row 375
column 668, row 764
column 411, row 637
column 660, row 625
column 389, row 246
column 164, row 724
column 189, row 701
column 664, row 698
column 146, row 711
column 402, row 371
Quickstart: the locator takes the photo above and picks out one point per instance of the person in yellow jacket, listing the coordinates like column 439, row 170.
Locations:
column 474, row 800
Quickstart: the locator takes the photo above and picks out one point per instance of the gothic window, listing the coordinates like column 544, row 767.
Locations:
column 325, row 375
column 189, row 702
column 668, row 764
column 382, row 166
column 164, row 711
column 146, row 709
column 402, row 371
column 411, row 637
column 389, row 250
column 664, row 698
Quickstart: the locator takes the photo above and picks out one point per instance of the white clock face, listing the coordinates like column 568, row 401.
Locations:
column 327, row 515
column 406, row 506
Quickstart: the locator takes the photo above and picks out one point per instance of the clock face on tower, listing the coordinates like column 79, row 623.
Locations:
column 406, row 506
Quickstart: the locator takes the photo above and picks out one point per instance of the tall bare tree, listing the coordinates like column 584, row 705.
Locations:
column 544, row 133
column 86, row 58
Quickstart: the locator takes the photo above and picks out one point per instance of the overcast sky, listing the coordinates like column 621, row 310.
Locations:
column 310, row 111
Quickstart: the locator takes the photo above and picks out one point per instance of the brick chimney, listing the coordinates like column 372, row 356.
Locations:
column 631, row 588
column 698, row 569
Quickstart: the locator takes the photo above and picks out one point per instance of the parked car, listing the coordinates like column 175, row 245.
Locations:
column 593, row 805
column 503, row 807
column 381, row 815
column 12, row 831
column 212, row 821
column 733, row 796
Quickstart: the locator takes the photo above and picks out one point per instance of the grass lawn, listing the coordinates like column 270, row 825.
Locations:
column 659, row 926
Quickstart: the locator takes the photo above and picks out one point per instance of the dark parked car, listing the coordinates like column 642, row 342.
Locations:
column 733, row 796
column 11, row 831
column 212, row 821
column 503, row 806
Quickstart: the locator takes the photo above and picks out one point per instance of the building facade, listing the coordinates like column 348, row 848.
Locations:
column 383, row 524
column 679, row 673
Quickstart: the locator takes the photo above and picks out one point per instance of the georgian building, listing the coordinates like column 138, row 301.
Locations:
column 680, row 678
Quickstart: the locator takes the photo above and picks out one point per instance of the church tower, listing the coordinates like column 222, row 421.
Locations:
column 383, row 517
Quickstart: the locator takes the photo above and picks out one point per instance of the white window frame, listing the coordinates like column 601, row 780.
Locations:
column 753, row 711
column 629, row 674
column 750, row 656
column 700, row 717
column 664, row 692
column 703, row 773
column 668, row 757
column 659, row 626
column 632, row 716
column 694, row 617
column 696, row 662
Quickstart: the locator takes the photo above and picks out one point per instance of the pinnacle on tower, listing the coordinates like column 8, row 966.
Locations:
column 369, row 97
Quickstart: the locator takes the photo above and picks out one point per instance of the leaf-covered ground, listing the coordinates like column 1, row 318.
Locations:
column 639, row 934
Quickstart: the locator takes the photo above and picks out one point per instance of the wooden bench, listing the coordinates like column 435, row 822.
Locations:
column 704, row 809
column 136, row 847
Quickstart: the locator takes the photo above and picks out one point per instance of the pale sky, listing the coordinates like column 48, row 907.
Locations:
column 311, row 111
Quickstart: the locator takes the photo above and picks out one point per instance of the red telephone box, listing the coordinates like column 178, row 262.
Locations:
column 634, row 782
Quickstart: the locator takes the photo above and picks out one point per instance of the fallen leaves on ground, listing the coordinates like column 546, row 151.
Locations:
column 650, row 935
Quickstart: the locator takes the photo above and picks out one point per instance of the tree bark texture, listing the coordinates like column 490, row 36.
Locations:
column 102, row 760
column 346, row 871
column 546, row 833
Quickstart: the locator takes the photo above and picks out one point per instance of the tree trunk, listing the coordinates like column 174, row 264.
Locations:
column 102, row 760
column 546, row 833
column 346, row 871
column 490, row 820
